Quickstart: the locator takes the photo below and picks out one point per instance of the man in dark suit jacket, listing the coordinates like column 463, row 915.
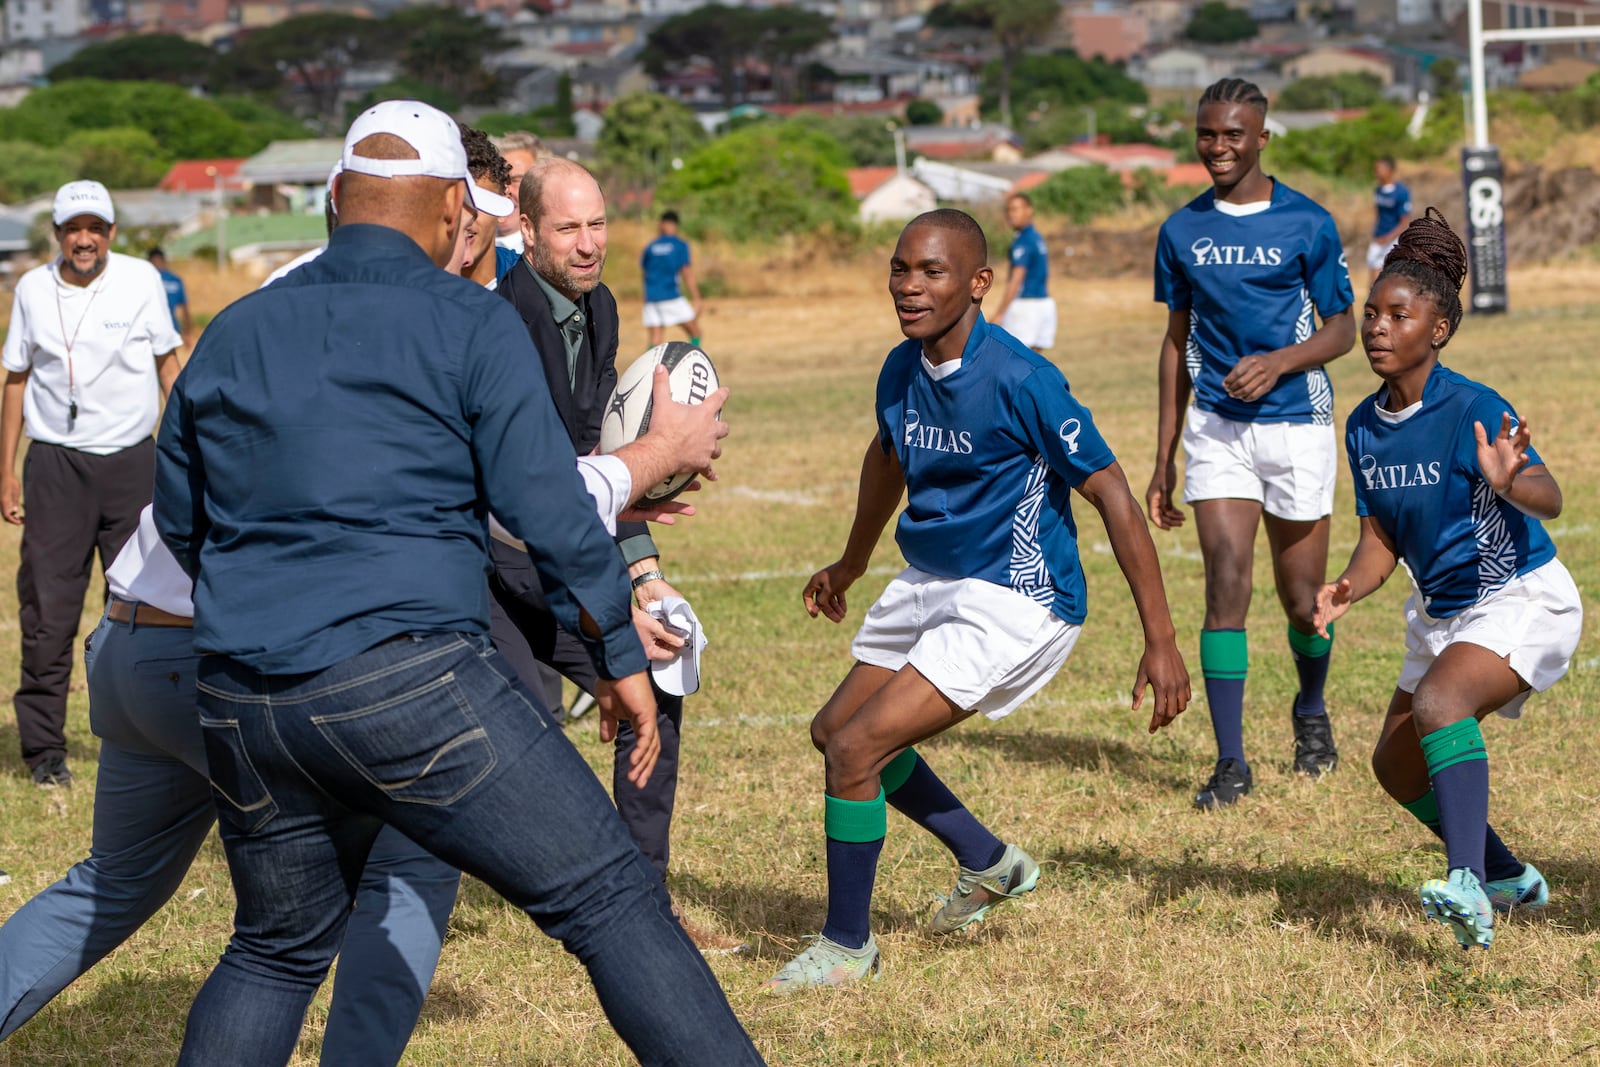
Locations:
column 572, row 318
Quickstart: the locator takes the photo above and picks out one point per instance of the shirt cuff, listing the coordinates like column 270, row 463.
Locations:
column 608, row 481
column 637, row 547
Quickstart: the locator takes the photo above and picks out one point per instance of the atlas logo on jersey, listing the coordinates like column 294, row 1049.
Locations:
column 1397, row 475
column 1069, row 432
column 935, row 438
column 1207, row 253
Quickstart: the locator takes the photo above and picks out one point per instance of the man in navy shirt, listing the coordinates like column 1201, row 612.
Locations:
column 1026, row 311
column 1244, row 269
column 664, row 261
column 327, row 466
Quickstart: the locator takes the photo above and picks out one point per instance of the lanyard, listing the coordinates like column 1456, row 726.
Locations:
column 61, row 317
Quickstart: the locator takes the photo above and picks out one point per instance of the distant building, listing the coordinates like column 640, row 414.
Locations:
column 1112, row 34
column 39, row 20
column 1322, row 62
column 886, row 195
column 200, row 176
column 1123, row 157
column 1182, row 68
column 1505, row 14
column 952, row 181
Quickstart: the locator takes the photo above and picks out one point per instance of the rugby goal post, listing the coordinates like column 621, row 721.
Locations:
column 1482, row 172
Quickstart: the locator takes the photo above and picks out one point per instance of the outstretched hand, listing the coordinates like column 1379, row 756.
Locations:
column 1161, row 670
column 1502, row 459
column 1333, row 600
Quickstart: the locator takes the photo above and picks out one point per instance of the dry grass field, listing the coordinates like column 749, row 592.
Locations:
column 1286, row 931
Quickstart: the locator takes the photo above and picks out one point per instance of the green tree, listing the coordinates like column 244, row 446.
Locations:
column 920, row 112
column 563, row 102
column 1014, row 24
column 866, row 139
column 642, row 135
column 1214, row 22
column 731, row 39
column 446, row 47
column 403, row 89
column 1079, row 193
column 28, row 169
column 1445, row 74
column 163, row 57
column 1060, row 79
column 185, row 126
column 308, row 56
column 121, row 157
column 1331, row 91
column 764, row 181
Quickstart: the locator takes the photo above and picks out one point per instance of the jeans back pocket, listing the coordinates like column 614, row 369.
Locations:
column 242, row 797
column 422, row 746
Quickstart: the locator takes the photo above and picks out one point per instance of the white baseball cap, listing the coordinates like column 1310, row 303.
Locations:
column 434, row 135
column 83, row 198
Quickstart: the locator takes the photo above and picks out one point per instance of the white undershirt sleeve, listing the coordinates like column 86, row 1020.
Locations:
column 608, row 482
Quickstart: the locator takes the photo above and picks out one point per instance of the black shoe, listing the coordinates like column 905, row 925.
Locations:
column 1314, row 751
column 1230, row 781
column 51, row 772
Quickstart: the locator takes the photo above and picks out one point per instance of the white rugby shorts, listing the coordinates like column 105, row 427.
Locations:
column 1288, row 467
column 1376, row 253
column 1031, row 321
column 668, row 312
column 1533, row 621
column 985, row 647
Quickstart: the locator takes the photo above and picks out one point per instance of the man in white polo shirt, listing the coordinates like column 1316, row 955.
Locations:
column 89, row 356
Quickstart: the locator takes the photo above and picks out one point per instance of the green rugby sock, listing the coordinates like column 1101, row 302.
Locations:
column 1459, row 767
column 1225, row 662
column 855, row 831
column 1312, row 653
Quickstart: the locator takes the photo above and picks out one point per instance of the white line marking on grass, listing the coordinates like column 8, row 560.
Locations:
column 799, row 497
column 769, row 576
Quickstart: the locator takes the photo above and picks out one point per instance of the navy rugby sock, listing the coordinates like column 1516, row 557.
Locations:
column 855, row 831
column 1499, row 862
column 1311, row 655
column 1225, row 662
column 912, row 789
column 1459, row 767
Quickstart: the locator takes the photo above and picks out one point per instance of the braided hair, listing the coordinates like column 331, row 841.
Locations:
column 1234, row 91
column 1430, row 255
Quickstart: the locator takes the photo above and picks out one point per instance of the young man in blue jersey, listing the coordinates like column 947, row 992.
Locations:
column 1392, row 203
column 1244, row 269
column 988, row 443
column 1447, row 481
column 664, row 261
column 1026, row 311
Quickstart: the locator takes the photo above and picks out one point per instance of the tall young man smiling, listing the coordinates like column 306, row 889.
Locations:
column 1243, row 270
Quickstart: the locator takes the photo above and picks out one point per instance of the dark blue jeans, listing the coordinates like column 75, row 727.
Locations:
column 435, row 736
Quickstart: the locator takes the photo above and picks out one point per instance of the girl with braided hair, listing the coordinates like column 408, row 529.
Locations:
column 1448, row 482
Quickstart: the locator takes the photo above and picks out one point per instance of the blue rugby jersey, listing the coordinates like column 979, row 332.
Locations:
column 991, row 454
column 1393, row 203
column 662, row 259
column 1418, row 477
column 1253, row 284
column 1029, row 253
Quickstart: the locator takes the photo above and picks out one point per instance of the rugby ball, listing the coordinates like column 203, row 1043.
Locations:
column 691, row 377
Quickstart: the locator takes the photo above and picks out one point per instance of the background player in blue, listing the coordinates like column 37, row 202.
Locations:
column 663, row 261
column 1447, row 482
column 989, row 443
column 1026, row 311
column 1392, row 203
column 1242, row 269
column 177, row 298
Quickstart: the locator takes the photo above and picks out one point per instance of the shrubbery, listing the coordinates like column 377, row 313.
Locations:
column 1078, row 193
column 763, row 181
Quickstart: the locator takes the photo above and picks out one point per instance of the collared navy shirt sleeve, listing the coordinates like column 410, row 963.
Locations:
column 179, row 503
column 541, row 500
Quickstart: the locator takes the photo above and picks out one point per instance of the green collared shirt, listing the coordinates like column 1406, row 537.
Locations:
column 569, row 319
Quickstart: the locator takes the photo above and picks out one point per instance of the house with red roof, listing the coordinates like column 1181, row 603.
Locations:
column 200, row 176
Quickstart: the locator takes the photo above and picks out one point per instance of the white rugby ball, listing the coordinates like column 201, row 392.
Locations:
column 691, row 377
